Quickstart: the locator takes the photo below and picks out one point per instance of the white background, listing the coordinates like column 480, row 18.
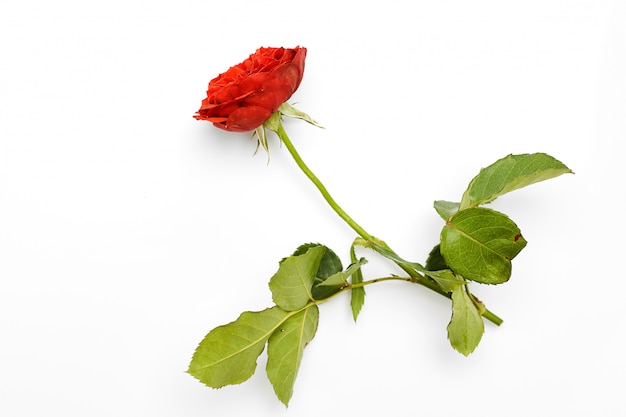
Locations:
column 128, row 229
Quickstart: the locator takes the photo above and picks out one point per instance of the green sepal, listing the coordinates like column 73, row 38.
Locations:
column 274, row 122
column 261, row 135
column 290, row 111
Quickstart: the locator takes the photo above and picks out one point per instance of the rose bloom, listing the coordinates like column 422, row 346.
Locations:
column 245, row 96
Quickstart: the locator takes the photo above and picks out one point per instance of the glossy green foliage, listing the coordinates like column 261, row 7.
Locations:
column 466, row 326
column 228, row 354
column 476, row 244
column 479, row 244
column 291, row 284
column 285, row 349
column 510, row 173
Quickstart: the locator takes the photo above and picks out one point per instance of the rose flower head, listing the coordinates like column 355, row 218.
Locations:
column 244, row 97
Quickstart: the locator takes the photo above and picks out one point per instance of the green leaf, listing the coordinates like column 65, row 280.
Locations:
column 508, row 174
column 384, row 250
column 435, row 261
column 285, row 348
column 446, row 209
column 357, row 295
column 330, row 264
column 228, row 354
column 441, row 273
column 446, row 279
column 479, row 244
column 291, row 284
column 466, row 326
column 341, row 278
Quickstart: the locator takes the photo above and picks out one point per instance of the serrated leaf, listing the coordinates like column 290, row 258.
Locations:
column 446, row 209
column 480, row 306
column 389, row 254
column 291, row 284
column 285, row 348
column 466, row 326
column 357, row 299
column 441, row 274
column 357, row 295
column 435, row 261
column 479, row 244
column 446, row 279
column 228, row 354
column 341, row 278
column 329, row 265
column 510, row 173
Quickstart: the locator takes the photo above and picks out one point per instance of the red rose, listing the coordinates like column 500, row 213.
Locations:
column 245, row 96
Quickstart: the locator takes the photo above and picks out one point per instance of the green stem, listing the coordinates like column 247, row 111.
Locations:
column 329, row 199
column 374, row 281
column 416, row 276
column 363, row 284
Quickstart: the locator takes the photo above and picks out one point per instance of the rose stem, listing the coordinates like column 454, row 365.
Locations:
column 282, row 134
